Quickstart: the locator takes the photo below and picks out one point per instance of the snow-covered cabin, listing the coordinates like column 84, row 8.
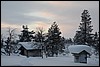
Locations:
column 30, row 49
column 80, row 52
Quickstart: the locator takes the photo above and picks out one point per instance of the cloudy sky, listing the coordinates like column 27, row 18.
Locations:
column 35, row 14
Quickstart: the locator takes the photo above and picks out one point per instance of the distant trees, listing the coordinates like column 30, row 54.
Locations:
column 69, row 41
column 84, row 35
column 26, row 36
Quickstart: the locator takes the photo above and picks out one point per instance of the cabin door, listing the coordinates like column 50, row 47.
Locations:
column 83, row 58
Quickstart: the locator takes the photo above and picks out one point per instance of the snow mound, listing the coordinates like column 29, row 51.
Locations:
column 79, row 48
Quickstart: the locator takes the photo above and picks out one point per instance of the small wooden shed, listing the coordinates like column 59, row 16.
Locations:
column 80, row 53
column 30, row 49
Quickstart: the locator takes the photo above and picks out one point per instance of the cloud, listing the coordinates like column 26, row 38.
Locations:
column 42, row 13
column 5, row 25
column 45, row 15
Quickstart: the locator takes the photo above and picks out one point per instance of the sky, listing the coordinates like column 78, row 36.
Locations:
column 67, row 14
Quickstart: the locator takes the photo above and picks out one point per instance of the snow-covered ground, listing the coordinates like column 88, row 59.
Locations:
column 61, row 60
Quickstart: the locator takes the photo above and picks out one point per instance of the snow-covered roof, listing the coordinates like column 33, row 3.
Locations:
column 30, row 45
column 79, row 48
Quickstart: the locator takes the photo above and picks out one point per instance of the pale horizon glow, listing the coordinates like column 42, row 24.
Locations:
column 67, row 14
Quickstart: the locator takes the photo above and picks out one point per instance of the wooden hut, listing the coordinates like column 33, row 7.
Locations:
column 30, row 49
column 80, row 53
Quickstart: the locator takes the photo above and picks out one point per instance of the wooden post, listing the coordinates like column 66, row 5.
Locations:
column 27, row 53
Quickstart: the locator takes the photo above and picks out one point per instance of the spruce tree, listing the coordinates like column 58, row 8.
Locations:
column 53, row 39
column 96, row 42
column 84, row 35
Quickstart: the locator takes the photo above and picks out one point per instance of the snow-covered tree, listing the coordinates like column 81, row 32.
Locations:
column 10, row 39
column 26, row 35
column 54, row 39
column 84, row 35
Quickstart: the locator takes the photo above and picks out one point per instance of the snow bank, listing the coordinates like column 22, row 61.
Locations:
column 50, row 61
column 79, row 48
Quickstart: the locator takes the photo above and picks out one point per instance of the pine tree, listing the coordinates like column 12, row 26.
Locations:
column 77, row 38
column 26, row 36
column 2, row 40
column 84, row 36
column 62, row 44
column 39, row 37
column 53, row 39
column 96, row 42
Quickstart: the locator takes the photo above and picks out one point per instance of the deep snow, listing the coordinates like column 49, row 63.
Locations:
column 67, row 60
